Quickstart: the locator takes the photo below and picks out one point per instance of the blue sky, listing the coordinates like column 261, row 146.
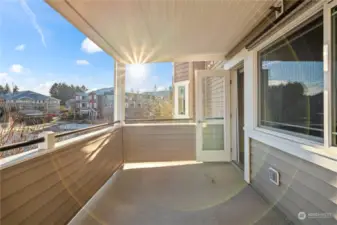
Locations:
column 39, row 47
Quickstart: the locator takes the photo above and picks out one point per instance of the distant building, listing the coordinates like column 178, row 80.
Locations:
column 99, row 104
column 31, row 103
column 71, row 104
column 82, row 103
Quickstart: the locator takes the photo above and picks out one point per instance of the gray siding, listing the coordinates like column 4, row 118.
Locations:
column 304, row 187
column 181, row 71
column 51, row 188
column 155, row 143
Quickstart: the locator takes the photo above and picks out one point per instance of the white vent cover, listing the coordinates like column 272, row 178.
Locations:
column 274, row 176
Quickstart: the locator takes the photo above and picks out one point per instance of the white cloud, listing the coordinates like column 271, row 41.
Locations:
column 16, row 68
column 43, row 88
column 90, row 47
column 2, row 74
column 82, row 62
column 33, row 19
column 4, row 78
column 162, row 88
column 277, row 82
column 20, row 47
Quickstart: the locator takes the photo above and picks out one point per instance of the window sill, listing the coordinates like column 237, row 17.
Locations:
column 314, row 152
column 301, row 139
column 182, row 117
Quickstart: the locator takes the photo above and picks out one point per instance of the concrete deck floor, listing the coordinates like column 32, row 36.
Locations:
column 192, row 194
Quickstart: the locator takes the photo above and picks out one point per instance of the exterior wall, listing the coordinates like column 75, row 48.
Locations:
column 186, row 71
column 304, row 186
column 181, row 71
column 52, row 187
column 195, row 66
column 155, row 143
column 308, row 169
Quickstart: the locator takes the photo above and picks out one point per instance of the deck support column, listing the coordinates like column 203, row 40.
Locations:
column 119, row 92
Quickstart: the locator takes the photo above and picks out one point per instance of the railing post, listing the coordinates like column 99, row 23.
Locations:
column 49, row 140
column 119, row 92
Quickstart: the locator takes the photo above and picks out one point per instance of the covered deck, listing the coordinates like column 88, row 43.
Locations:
column 178, row 193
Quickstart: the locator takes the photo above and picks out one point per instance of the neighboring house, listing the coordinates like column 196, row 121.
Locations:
column 105, row 105
column 82, row 103
column 32, row 103
column 101, row 103
column 93, row 101
column 71, row 104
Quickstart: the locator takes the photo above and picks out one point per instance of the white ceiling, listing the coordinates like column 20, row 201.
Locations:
column 139, row 31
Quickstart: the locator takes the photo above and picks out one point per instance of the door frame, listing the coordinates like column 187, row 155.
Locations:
column 203, row 155
column 234, row 110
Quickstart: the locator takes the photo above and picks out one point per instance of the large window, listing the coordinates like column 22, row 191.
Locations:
column 334, row 71
column 291, row 82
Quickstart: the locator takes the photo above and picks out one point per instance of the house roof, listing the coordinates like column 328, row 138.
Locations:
column 102, row 91
column 27, row 94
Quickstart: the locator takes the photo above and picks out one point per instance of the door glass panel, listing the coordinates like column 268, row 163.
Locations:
column 213, row 111
column 213, row 135
column 213, row 101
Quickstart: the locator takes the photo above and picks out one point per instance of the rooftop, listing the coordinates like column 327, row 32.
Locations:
column 27, row 94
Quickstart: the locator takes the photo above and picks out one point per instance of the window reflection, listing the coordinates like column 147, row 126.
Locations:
column 181, row 100
column 291, row 81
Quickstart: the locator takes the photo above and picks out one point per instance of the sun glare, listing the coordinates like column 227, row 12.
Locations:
column 137, row 70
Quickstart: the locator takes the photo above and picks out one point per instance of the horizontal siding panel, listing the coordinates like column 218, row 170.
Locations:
column 47, row 184
column 283, row 204
column 159, row 130
column 47, row 202
column 159, row 143
column 303, row 185
column 11, row 186
column 325, row 175
column 73, row 191
column 298, row 196
column 61, row 182
column 181, row 71
column 312, row 195
column 302, row 175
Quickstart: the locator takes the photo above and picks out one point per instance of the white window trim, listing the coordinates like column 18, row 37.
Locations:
column 328, row 75
column 314, row 152
column 325, row 149
column 184, row 84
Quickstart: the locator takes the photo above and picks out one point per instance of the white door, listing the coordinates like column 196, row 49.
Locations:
column 213, row 115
